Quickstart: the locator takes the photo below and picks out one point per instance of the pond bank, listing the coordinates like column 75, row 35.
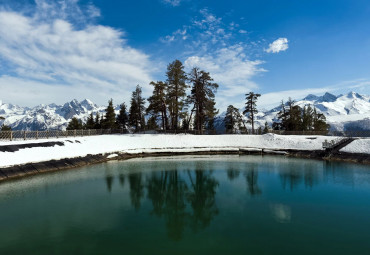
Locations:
column 18, row 171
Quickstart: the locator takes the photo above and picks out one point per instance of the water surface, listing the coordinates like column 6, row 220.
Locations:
column 190, row 205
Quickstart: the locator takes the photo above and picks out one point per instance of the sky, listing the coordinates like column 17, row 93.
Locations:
column 53, row 51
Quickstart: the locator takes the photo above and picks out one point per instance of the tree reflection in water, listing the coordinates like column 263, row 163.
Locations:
column 186, row 198
column 136, row 189
column 109, row 180
column 167, row 191
column 251, row 176
column 201, row 196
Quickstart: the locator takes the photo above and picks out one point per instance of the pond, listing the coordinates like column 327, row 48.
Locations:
column 190, row 205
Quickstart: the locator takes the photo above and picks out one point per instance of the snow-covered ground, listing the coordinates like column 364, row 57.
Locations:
column 82, row 146
column 358, row 146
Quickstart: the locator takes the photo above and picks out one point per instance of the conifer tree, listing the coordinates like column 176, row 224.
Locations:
column 210, row 116
column 136, row 113
column 110, row 116
column 319, row 121
column 282, row 116
column 6, row 128
column 202, row 97
column 74, row 123
column 122, row 118
column 90, row 123
column 307, row 118
column 152, row 123
column 266, row 128
column 233, row 119
column 294, row 118
column 157, row 103
column 97, row 124
column 251, row 107
column 176, row 91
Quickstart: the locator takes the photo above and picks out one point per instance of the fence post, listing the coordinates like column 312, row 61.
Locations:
column 47, row 134
column 11, row 135
column 37, row 134
column 74, row 133
column 24, row 135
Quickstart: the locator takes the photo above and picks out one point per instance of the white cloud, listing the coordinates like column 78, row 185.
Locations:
column 173, row 2
column 43, row 54
column 242, row 31
column 179, row 33
column 231, row 69
column 278, row 45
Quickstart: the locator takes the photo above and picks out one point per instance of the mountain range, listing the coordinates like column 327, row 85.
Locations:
column 344, row 112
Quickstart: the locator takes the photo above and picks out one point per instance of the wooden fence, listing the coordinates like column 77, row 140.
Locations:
column 34, row 135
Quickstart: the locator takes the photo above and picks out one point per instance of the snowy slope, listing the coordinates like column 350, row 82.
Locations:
column 155, row 143
column 82, row 146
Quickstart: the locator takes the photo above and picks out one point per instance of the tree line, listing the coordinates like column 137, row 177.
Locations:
column 291, row 117
column 171, row 108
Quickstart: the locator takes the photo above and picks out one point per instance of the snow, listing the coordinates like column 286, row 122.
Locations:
column 358, row 146
column 145, row 143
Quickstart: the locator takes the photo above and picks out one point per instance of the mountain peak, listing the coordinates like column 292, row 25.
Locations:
column 311, row 97
column 327, row 97
column 88, row 104
column 354, row 95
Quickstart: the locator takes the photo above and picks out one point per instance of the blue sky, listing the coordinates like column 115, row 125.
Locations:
column 54, row 51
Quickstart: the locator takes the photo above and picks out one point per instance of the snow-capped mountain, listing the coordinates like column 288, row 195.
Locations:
column 343, row 112
column 50, row 116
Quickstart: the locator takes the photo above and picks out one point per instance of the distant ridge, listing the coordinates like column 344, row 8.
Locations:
column 344, row 112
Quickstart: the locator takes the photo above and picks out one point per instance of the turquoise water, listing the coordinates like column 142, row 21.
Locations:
column 190, row 205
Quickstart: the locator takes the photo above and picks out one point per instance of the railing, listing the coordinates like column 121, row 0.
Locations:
column 34, row 135
column 359, row 133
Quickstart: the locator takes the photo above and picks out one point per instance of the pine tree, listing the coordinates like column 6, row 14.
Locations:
column 90, row 123
column 232, row 119
column 210, row 116
column 97, row 123
column 136, row 114
column 110, row 116
column 202, row 97
column 307, row 118
column 152, row 123
column 157, row 103
column 290, row 116
column 266, row 128
column 251, row 107
column 122, row 118
column 74, row 124
column 319, row 121
column 282, row 116
column 6, row 128
column 176, row 91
